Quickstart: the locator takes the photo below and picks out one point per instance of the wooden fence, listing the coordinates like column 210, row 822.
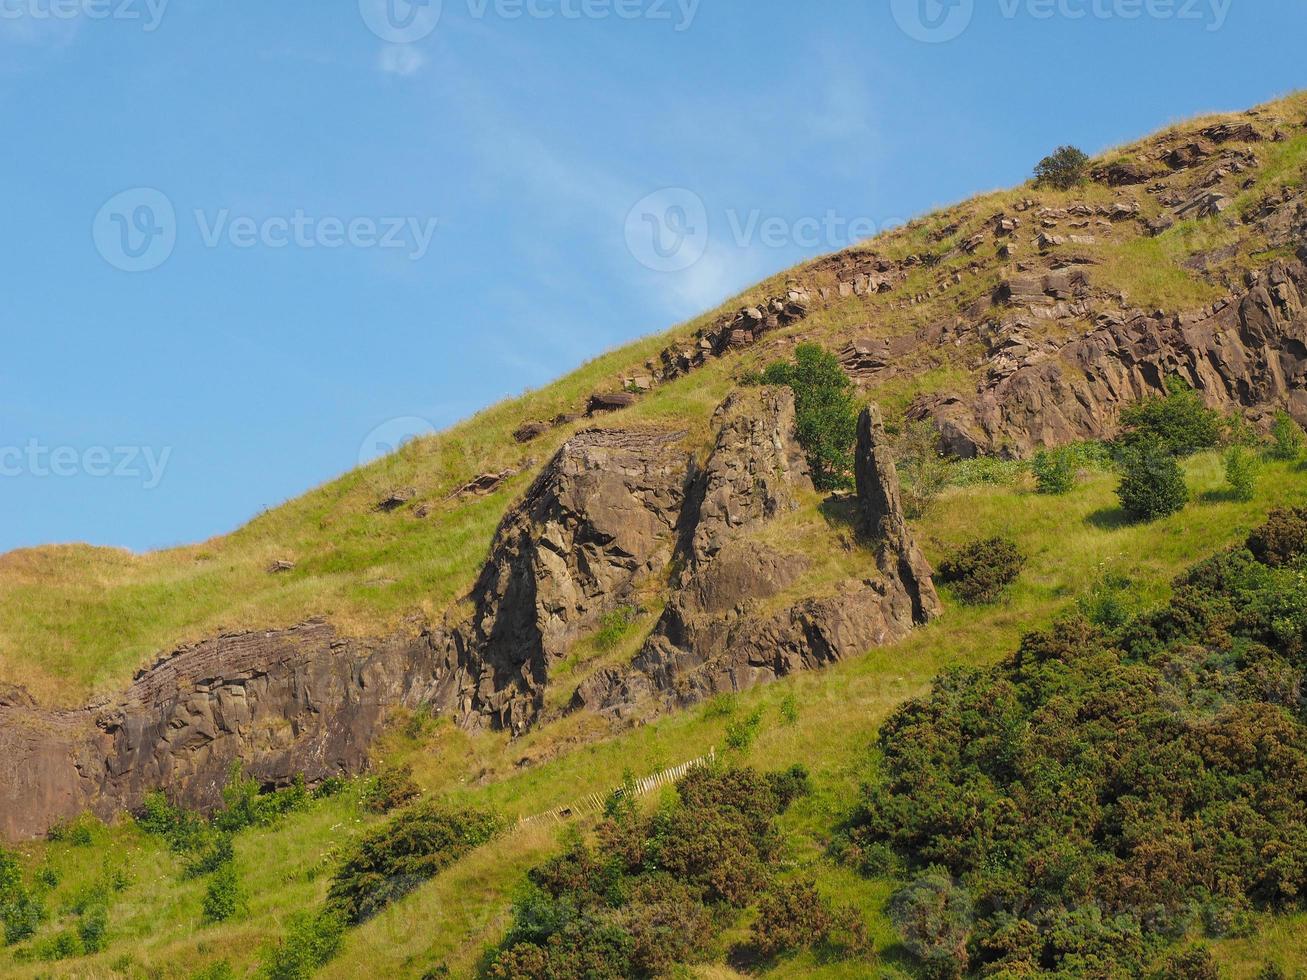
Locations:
column 594, row 803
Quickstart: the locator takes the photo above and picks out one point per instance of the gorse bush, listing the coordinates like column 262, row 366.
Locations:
column 934, row 917
column 1178, row 424
column 794, row 916
column 1152, row 483
column 1100, row 795
column 1286, row 438
column 826, row 414
column 415, row 846
column 654, row 891
column 1065, row 168
column 981, row 570
column 393, row 787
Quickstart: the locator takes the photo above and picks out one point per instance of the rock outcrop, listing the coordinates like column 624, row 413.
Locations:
column 1249, row 351
column 720, row 631
column 280, row 703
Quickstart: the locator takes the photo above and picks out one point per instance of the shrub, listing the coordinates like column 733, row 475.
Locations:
column 934, row 917
column 92, row 926
column 791, row 916
column 741, row 732
column 390, row 789
column 657, row 891
column 311, row 942
column 1286, row 438
column 1282, row 540
column 79, row 832
column 790, row 709
column 21, row 909
column 826, row 415
column 417, row 845
column 245, row 805
column 980, row 571
column 1194, row 963
column 1055, row 472
column 211, row 851
column 614, row 626
column 1241, row 473
column 1179, row 422
column 1065, row 168
column 1152, row 484
column 1088, row 791
column 789, row 785
column 224, row 898
column 922, row 467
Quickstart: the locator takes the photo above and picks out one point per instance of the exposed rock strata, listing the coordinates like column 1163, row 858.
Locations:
column 1250, row 351
column 719, row 632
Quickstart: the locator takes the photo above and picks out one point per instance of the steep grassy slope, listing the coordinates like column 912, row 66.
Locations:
column 154, row 927
column 76, row 620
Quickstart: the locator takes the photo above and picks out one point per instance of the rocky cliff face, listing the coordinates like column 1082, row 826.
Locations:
column 721, row 630
column 281, row 703
column 607, row 515
column 1248, row 351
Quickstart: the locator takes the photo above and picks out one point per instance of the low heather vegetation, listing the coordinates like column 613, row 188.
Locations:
column 1108, row 794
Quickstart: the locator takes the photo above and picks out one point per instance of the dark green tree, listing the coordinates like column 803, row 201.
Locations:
column 826, row 412
column 1152, row 483
column 1064, row 169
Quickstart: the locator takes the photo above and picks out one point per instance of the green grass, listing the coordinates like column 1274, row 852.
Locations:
column 1071, row 540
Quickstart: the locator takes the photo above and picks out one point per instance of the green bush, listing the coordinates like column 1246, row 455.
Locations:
column 794, row 916
column 312, row 941
column 245, row 805
column 1179, row 423
column 21, row 909
column 1065, row 168
column 1286, row 438
column 1241, row 472
column 614, row 626
column 224, row 898
column 790, row 709
column 417, row 845
column 741, row 733
column 209, row 852
column 1054, row 471
column 79, row 832
column 981, row 570
column 922, row 468
column 1152, row 483
column 826, row 414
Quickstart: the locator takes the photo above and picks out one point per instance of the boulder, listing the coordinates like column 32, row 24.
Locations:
column 397, row 498
column 610, row 402
column 529, row 431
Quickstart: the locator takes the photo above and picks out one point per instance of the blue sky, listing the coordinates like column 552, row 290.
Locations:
column 380, row 215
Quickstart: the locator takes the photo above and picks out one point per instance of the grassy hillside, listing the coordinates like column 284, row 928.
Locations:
column 76, row 620
column 154, row 927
